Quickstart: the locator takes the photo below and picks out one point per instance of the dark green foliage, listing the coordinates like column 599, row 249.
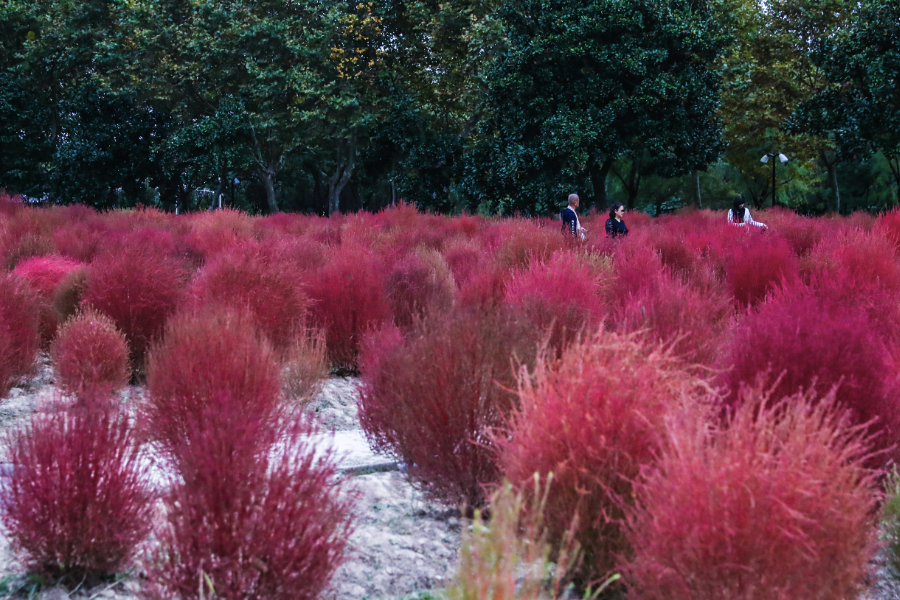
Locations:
column 584, row 83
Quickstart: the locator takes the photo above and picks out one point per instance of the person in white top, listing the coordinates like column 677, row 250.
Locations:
column 740, row 216
column 571, row 224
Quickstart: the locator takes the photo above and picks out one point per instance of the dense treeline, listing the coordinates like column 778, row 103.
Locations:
column 490, row 105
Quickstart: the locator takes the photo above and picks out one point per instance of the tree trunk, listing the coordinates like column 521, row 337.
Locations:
column 632, row 184
column 342, row 172
column 894, row 163
column 831, row 167
column 695, row 181
column 267, row 176
column 598, row 181
column 220, row 189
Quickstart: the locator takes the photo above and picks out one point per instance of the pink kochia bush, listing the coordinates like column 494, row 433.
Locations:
column 19, row 336
column 246, row 520
column 756, row 267
column 688, row 319
column 593, row 419
column 430, row 400
column 349, row 301
column 138, row 287
column 211, row 365
column 796, row 342
column 43, row 275
column 248, row 278
column 775, row 505
column 90, row 355
column 560, row 297
column 77, row 503
column 276, row 531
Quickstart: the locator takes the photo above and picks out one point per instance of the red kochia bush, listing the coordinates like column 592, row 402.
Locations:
column 270, row 290
column 77, row 503
column 418, row 283
column 776, row 505
column 807, row 343
column 349, row 300
column 19, row 336
column 43, row 275
column 689, row 319
column 274, row 532
column 593, row 419
column 754, row 268
column 560, row 297
column 430, row 401
column 138, row 287
column 208, row 363
column 90, row 355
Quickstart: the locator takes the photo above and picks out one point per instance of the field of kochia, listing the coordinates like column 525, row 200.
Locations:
column 714, row 410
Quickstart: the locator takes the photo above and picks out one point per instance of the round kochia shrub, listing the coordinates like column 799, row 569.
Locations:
column 90, row 355
column 349, row 300
column 19, row 336
column 430, row 400
column 796, row 341
column 208, row 363
column 561, row 297
column 138, row 287
column 77, row 504
column 43, row 276
column 593, row 418
column 270, row 290
column 777, row 504
column 268, row 530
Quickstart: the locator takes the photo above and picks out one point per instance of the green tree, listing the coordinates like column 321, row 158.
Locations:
column 584, row 84
column 858, row 108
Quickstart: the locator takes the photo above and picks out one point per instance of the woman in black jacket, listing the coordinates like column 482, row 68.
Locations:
column 615, row 226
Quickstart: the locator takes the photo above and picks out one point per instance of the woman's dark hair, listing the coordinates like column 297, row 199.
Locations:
column 737, row 213
column 612, row 209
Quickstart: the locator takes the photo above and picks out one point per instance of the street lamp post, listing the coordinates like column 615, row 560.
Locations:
column 765, row 159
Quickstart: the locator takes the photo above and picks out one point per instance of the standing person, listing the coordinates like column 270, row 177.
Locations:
column 615, row 226
column 571, row 224
column 740, row 216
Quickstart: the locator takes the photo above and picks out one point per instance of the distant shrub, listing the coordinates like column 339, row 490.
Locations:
column 418, row 283
column 76, row 504
column 138, row 287
column 81, row 240
column 220, row 231
column 486, row 289
column 593, row 419
column 755, row 268
column 271, row 290
column 692, row 321
column 43, row 276
column 305, row 367
column 560, row 297
column 210, row 364
column 516, row 242
column 888, row 225
column 19, row 333
column 636, row 268
column 776, row 504
column 464, row 257
column 68, row 294
column 349, row 300
column 273, row 532
column 799, row 342
column 90, row 356
column 431, row 400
